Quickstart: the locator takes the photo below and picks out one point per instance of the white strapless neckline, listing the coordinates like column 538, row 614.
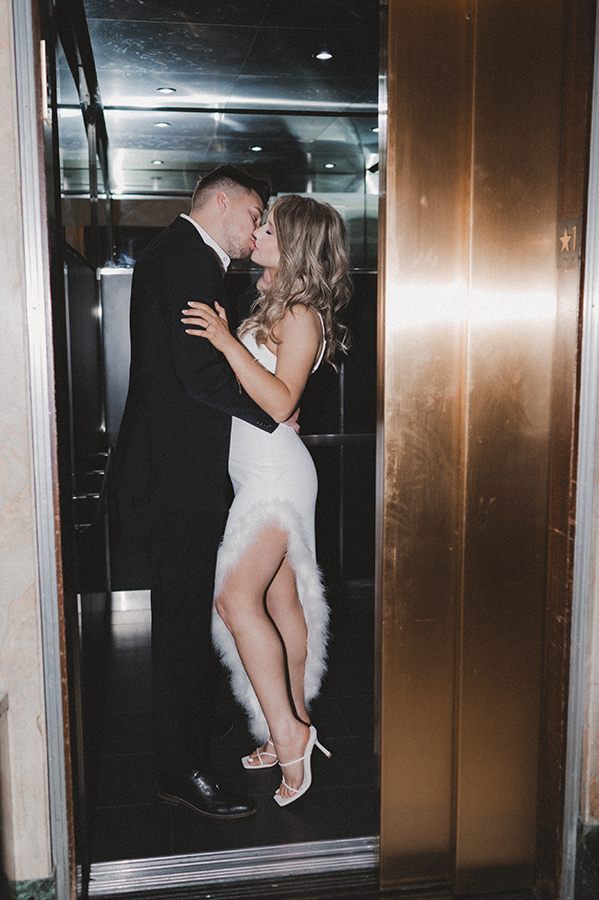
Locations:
column 269, row 361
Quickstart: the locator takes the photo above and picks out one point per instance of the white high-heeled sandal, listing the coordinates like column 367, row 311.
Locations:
column 260, row 757
column 307, row 779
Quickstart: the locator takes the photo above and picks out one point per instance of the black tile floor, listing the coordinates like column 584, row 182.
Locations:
column 128, row 821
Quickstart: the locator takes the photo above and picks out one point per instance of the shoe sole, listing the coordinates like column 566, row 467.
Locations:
column 174, row 801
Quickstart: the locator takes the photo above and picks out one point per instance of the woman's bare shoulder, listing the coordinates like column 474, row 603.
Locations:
column 298, row 320
column 303, row 314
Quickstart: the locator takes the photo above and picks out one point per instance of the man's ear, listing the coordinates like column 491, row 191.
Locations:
column 222, row 200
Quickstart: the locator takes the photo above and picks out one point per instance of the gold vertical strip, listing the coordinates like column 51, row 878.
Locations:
column 512, row 319
column 424, row 280
column 559, row 792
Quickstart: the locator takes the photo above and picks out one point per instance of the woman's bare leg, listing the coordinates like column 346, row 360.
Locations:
column 241, row 607
column 284, row 607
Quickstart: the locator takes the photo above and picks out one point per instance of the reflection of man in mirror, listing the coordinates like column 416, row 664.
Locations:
column 171, row 469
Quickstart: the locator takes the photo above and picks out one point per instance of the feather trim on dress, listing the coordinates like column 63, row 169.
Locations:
column 311, row 594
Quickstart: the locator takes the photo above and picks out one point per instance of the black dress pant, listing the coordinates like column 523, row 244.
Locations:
column 182, row 545
column 171, row 493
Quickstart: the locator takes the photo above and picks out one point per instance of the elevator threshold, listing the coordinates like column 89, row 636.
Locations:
column 237, row 873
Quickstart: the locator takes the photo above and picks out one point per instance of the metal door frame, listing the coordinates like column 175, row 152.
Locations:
column 584, row 551
column 43, row 425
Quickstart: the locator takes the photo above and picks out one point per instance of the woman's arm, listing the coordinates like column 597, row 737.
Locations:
column 299, row 335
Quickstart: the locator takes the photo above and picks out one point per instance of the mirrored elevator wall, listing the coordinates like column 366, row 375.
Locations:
column 481, row 219
column 105, row 231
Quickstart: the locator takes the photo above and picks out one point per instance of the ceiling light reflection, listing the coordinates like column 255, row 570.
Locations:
column 410, row 306
column 118, row 178
column 69, row 113
column 290, row 104
column 494, row 307
column 416, row 305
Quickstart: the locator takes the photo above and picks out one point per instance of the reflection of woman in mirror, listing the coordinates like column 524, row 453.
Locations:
column 270, row 614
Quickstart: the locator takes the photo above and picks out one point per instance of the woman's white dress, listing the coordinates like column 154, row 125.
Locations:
column 275, row 482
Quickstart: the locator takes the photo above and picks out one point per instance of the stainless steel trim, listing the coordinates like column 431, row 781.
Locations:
column 586, row 498
column 337, row 440
column 37, row 287
column 355, row 855
column 359, row 111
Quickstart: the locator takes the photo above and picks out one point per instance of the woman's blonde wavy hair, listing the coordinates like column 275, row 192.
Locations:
column 313, row 270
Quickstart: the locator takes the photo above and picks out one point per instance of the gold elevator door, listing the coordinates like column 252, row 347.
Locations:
column 478, row 349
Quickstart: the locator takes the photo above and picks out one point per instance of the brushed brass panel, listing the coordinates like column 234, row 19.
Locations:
column 512, row 310
column 467, row 363
column 423, row 314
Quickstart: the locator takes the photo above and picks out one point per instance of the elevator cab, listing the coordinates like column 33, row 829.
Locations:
column 454, row 139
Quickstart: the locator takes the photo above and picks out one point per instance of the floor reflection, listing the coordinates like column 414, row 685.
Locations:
column 127, row 819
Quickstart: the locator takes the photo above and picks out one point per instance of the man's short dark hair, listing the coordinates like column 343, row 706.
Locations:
column 224, row 178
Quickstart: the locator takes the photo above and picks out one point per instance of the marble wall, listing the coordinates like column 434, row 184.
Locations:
column 587, row 855
column 27, row 855
column 590, row 755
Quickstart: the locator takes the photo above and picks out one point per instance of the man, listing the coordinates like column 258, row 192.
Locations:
column 171, row 468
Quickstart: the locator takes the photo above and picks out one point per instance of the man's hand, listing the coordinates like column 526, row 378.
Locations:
column 292, row 421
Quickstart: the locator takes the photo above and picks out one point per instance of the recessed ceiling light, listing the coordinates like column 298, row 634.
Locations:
column 157, row 162
column 162, row 124
column 324, row 54
column 329, row 165
column 375, row 129
column 166, row 90
column 256, row 149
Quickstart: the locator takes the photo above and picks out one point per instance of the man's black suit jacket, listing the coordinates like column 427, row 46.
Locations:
column 173, row 443
column 170, row 486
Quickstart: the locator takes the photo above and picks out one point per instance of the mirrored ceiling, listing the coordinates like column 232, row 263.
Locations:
column 280, row 87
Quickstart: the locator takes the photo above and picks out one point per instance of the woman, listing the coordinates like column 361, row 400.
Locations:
column 268, row 549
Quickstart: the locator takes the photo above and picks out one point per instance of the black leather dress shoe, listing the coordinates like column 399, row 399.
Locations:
column 203, row 792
